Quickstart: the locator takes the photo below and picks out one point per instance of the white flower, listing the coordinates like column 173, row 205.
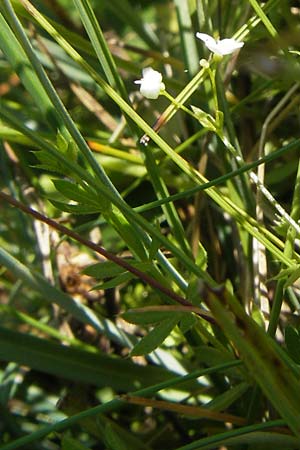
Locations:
column 221, row 47
column 151, row 83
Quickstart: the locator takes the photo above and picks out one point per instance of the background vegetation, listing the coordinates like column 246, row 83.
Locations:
column 149, row 293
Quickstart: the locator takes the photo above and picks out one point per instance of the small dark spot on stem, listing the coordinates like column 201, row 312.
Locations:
column 276, row 362
column 241, row 324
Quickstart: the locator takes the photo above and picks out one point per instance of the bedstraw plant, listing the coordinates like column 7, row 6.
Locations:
column 150, row 203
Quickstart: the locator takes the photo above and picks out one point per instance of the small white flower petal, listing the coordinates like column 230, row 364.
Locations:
column 205, row 37
column 208, row 40
column 151, row 83
column 221, row 47
column 227, row 46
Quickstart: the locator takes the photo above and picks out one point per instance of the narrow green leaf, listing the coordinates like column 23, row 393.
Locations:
column 98, row 41
column 113, row 439
column 295, row 275
column 73, row 191
column 48, row 292
column 187, row 36
column 108, row 269
column 19, row 62
column 225, row 400
column 261, row 356
column 150, row 317
column 284, row 273
column 201, row 256
column 206, row 120
column 75, row 364
column 69, row 443
column 114, row 282
column 292, row 342
column 105, row 269
column 156, row 337
column 115, row 435
column 50, row 163
column 76, row 209
column 67, row 147
column 187, row 322
column 264, row 18
column 52, row 294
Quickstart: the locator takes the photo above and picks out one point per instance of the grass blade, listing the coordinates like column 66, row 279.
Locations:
column 187, row 37
column 76, row 365
column 261, row 356
column 98, row 41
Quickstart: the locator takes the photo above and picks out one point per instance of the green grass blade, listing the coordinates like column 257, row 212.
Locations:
column 19, row 62
column 51, row 294
column 115, row 404
column 130, row 16
column 187, row 37
column 155, row 337
column 267, row 23
column 255, row 20
column 220, row 180
column 261, row 356
column 169, row 209
column 76, row 365
column 289, row 252
column 211, row 441
column 53, row 96
column 43, row 328
column 98, row 41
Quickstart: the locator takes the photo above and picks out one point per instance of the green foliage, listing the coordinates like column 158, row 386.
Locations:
column 113, row 440
column 150, row 317
column 155, row 337
column 192, row 202
column 74, row 364
column 292, row 342
column 69, row 443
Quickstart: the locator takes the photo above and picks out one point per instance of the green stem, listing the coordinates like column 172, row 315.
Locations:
column 178, row 105
column 169, row 209
column 215, row 182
